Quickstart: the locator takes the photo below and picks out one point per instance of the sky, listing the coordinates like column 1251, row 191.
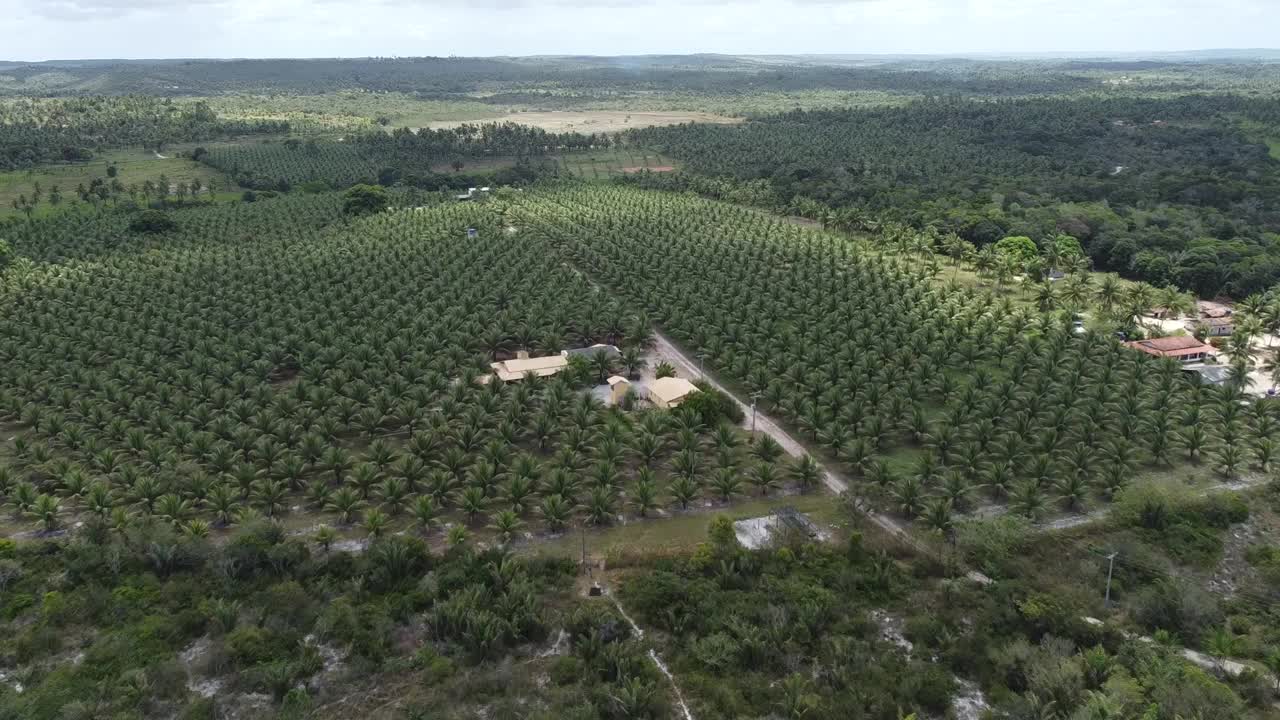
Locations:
column 74, row 29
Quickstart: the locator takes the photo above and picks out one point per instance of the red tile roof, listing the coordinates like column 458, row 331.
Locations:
column 1173, row 346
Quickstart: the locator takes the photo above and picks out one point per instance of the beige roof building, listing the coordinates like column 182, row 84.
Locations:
column 618, row 387
column 510, row 370
column 669, row 392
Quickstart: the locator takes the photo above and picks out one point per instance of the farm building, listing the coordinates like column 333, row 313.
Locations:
column 1215, row 326
column 1183, row 348
column 618, row 388
column 589, row 352
column 1209, row 374
column 669, row 392
column 474, row 193
column 513, row 370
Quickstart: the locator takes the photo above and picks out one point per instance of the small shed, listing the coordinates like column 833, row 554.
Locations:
column 669, row 392
column 1214, row 325
column 618, row 388
column 1209, row 374
column 472, row 233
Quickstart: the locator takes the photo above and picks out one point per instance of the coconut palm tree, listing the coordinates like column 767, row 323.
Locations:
column 555, row 511
column 375, row 523
column 45, row 509
column 644, row 495
column 425, row 511
column 506, row 523
column 345, row 502
column 727, row 483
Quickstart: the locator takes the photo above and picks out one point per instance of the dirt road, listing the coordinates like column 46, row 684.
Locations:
column 669, row 352
column 837, row 483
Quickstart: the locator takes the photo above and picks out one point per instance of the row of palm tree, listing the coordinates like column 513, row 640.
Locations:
column 924, row 386
column 286, row 358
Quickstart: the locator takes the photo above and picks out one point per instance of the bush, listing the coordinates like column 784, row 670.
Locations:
column 1222, row 510
column 1180, row 608
column 200, row 709
column 567, row 670
column 928, row 685
column 364, row 199
column 152, row 221
column 711, row 406
column 249, row 646
column 993, row 544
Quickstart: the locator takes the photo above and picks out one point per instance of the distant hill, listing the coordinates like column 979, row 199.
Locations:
column 700, row 73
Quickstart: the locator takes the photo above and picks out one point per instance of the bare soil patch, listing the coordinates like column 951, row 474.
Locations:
column 594, row 121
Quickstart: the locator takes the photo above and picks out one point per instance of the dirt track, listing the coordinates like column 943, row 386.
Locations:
column 836, row 482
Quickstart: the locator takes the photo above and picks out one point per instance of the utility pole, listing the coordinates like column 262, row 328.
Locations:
column 754, row 397
column 1111, row 565
column 701, row 358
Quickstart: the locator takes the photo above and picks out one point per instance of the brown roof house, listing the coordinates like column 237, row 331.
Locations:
column 1182, row 347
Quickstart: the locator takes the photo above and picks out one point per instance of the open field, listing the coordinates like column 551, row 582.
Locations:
column 133, row 166
column 676, row 533
column 604, row 164
column 598, row 121
column 350, row 111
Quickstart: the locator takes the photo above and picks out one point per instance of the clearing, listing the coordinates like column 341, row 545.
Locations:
column 595, row 121
column 133, row 167
column 611, row 162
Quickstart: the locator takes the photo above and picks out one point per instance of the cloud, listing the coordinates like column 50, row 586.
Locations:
column 80, row 10
column 42, row 29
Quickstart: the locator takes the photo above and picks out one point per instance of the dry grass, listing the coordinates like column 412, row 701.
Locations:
column 597, row 121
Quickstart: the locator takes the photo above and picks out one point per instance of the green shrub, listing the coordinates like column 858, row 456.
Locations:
column 364, row 199
column 152, row 221
column 717, row 652
column 928, row 685
column 200, row 709
column 1177, row 607
column 711, row 406
column 567, row 670
column 1222, row 510
column 248, row 646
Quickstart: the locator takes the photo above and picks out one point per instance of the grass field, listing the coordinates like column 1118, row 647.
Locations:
column 684, row 531
column 134, row 167
column 603, row 164
column 351, row 111
column 596, row 121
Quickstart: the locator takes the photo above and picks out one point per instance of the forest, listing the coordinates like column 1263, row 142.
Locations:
column 263, row 455
column 34, row 131
column 1167, row 191
column 421, row 159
